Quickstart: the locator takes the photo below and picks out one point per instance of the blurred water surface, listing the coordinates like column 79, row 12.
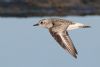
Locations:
column 22, row 45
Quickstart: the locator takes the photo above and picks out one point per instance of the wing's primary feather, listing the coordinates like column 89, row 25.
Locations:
column 65, row 42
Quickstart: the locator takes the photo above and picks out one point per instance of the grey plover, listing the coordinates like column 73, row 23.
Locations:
column 59, row 28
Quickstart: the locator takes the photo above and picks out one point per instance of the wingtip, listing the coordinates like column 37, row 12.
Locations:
column 75, row 56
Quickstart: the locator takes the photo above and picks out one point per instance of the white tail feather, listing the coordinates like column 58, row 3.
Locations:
column 75, row 26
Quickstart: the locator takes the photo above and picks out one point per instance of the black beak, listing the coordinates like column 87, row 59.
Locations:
column 35, row 24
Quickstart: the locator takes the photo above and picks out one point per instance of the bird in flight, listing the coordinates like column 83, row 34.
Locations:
column 59, row 28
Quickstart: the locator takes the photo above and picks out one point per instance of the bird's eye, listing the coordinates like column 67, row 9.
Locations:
column 41, row 22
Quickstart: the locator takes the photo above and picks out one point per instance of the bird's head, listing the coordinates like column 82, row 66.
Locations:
column 46, row 23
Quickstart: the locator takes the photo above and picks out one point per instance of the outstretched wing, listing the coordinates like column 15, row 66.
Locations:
column 65, row 42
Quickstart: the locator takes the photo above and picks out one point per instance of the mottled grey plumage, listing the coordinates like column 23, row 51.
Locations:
column 59, row 28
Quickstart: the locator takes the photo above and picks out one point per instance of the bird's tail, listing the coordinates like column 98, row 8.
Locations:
column 84, row 26
column 77, row 26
